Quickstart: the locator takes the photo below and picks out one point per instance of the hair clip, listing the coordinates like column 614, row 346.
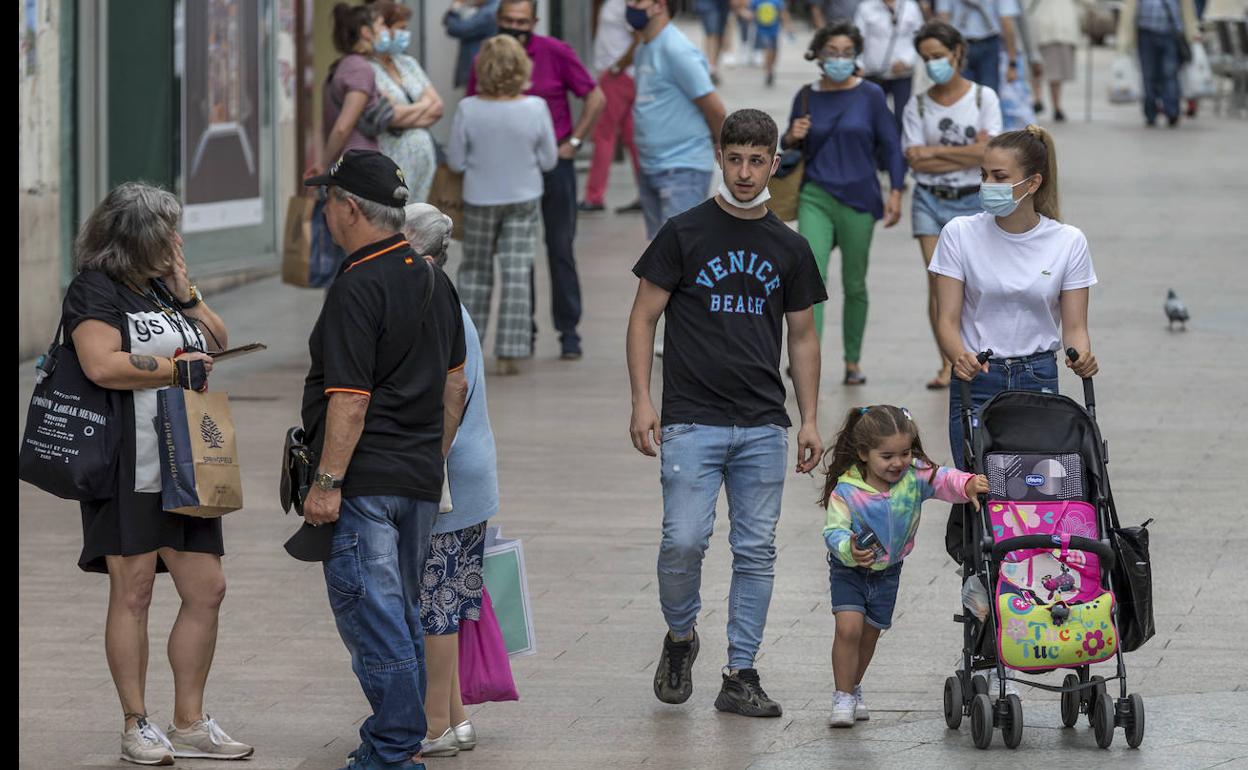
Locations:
column 906, row 412
column 863, row 409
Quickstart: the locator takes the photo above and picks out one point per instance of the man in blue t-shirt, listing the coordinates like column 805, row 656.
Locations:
column 675, row 116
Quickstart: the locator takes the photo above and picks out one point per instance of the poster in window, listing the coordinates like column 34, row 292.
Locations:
column 221, row 115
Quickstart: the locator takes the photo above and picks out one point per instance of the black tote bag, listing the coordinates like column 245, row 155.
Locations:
column 71, row 441
column 1132, row 577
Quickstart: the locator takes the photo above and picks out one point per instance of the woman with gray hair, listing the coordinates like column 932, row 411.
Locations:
column 138, row 325
column 450, row 590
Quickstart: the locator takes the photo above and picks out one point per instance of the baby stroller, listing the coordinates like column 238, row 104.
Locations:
column 1069, row 586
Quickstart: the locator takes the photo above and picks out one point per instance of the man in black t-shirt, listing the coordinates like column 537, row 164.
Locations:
column 727, row 275
column 387, row 370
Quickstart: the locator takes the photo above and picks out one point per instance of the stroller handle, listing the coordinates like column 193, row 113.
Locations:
column 968, row 409
column 965, row 385
column 1089, row 396
column 1102, row 549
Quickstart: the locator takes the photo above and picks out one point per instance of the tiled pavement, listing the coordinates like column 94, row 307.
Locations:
column 1161, row 209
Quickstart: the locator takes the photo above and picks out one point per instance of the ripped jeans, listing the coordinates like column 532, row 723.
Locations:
column 1037, row 373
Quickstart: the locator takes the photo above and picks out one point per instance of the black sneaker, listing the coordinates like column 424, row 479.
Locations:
column 585, row 207
column 632, row 208
column 743, row 694
column 673, row 680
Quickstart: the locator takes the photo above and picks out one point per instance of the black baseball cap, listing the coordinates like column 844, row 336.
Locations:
column 368, row 174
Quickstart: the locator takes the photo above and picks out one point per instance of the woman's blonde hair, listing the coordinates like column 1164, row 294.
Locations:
column 1036, row 153
column 503, row 68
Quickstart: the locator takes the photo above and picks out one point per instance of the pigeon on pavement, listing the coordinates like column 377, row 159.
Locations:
column 1176, row 310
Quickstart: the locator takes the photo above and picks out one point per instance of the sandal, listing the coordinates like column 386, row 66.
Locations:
column 854, row 377
column 938, row 384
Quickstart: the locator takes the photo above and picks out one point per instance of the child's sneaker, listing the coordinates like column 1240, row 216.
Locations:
column 994, row 690
column 843, row 706
column 861, row 714
column 145, row 744
column 742, row 693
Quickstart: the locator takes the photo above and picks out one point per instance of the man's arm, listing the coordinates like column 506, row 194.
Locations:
column 595, row 103
column 713, row 111
column 804, row 361
column 648, row 306
column 454, row 401
column 344, row 422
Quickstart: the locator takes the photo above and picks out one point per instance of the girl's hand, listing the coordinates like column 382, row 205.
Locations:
column 1086, row 365
column 976, row 486
column 968, row 365
column 861, row 558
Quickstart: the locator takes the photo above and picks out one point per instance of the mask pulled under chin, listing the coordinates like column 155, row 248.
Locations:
column 725, row 192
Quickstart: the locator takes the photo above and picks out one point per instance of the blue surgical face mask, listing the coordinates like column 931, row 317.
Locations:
column 402, row 39
column 940, row 70
column 839, row 70
column 384, row 43
column 637, row 18
column 998, row 199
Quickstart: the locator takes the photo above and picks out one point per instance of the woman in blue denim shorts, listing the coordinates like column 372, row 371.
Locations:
column 944, row 132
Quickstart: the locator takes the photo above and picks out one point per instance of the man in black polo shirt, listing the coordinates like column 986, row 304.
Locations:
column 387, row 359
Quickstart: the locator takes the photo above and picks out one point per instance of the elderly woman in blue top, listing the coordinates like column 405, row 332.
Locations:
column 451, row 589
column 846, row 132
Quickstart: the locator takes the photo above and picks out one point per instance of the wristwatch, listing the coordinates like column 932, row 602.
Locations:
column 575, row 142
column 195, row 299
column 326, row 482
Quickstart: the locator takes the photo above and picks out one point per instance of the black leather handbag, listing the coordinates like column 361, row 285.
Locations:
column 72, row 439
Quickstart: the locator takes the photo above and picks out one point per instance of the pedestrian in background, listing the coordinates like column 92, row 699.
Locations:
column 128, row 315
column 847, row 133
column 471, row 22
column 714, row 17
column 387, row 358
column 767, row 17
column 1153, row 29
column 824, row 12
column 451, row 589
column 614, row 45
column 677, row 115
column 502, row 141
column 417, row 105
column 987, row 26
column 945, row 132
column 1055, row 28
column 888, row 55
column 556, row 72
column 729, row 276
column 351, row 86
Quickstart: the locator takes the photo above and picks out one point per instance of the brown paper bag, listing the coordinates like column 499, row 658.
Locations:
column 447, row 194
column 297, row 241
column 199, row 470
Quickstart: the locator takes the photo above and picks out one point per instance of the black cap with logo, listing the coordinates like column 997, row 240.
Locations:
column 368, row 174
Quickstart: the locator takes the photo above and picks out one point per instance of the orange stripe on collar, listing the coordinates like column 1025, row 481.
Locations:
column 378, row 254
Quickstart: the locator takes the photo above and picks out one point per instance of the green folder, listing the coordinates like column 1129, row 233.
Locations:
column 507, row 582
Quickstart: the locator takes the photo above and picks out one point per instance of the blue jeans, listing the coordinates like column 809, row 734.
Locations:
column 1037, row 373
column 373, row 576
column 900, row 88
column 750, row 463
column 664, row 194
column 1159, row 68
column 983, row 62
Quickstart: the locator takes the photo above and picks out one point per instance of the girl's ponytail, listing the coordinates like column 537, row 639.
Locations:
column 843, row 454
column 1037, row 154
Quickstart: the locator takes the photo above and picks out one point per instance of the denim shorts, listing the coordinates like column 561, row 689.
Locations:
column 861, row 589
column 929, row 214
column 714, row 15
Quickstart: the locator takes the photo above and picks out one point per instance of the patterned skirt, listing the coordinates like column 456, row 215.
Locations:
column 450, row 590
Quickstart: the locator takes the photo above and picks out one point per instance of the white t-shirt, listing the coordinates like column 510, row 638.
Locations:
column 1012, row 282
column 880, row 27
column 614, row 37
column 954, row 126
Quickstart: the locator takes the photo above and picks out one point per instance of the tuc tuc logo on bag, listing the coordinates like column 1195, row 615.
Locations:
column 210, row 433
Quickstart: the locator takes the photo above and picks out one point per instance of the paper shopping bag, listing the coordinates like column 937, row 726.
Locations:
column 484, row 670
column 446, row 193
column 297, row 241
column 508, row 582
column 199, row 470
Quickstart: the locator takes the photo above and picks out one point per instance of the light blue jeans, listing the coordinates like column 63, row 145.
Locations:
column 750, row 463
column 664, row 194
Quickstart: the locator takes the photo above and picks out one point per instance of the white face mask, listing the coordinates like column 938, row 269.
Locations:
column 725, row 192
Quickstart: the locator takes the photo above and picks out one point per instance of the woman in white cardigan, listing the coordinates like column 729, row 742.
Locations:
column 1055, row 29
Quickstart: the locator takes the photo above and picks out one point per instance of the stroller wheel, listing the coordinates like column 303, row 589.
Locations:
column 953, row 702
column 979, row 685
column 1094, row 698
column 1012, row 729
column 1103, row 720
column 1070, row 701
column 981, row 721
column 1135, row 720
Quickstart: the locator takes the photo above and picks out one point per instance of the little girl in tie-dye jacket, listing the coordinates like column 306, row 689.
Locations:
column 878, row 478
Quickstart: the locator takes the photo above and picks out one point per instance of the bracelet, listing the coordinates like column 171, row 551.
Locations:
column 173, row 382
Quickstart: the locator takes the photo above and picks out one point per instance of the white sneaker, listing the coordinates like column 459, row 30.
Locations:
column 206, row 740
column 993, row 688
column 843, row 705
column 145, row 744
column 861, row 714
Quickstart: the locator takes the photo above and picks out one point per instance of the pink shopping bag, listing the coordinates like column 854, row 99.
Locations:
column 484, row 669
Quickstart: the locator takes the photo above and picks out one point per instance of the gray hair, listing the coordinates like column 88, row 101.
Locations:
column 131, row 234
column 379, row 215
column 429, row 231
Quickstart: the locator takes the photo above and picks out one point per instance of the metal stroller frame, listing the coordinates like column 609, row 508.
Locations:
column 966, row 693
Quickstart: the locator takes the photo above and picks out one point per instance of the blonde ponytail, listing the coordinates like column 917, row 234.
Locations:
column 1037, row 154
